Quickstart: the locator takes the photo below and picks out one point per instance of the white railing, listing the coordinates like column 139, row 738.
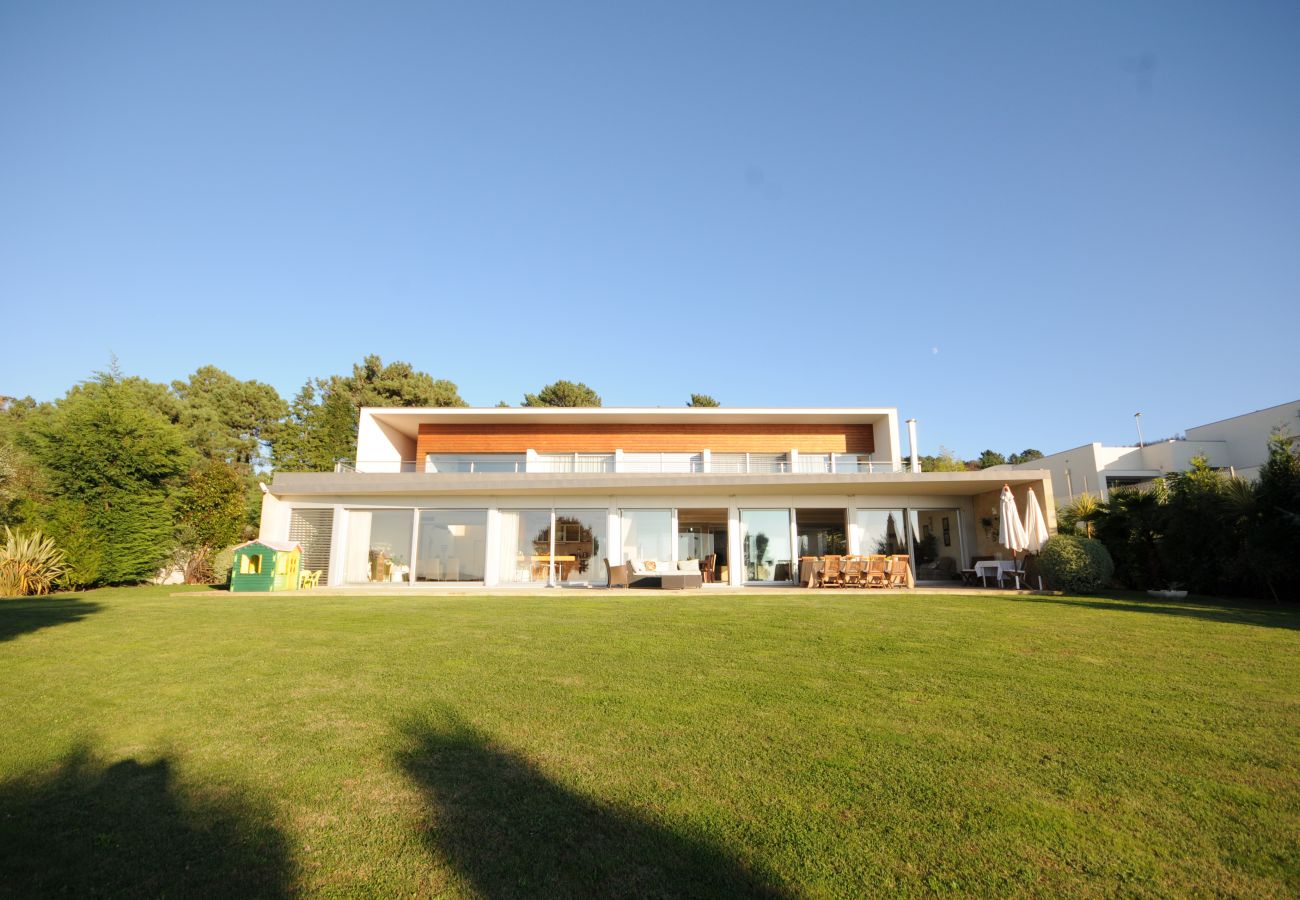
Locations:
column 665, row 463
column 581, row 466
column 377, row 465
column 572, row 462
column 749, row 467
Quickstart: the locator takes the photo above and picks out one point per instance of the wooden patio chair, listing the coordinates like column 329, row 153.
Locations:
column 875, row 574
column 709, row 568
column 898, row 570
column 831, row 576
column 851, row 574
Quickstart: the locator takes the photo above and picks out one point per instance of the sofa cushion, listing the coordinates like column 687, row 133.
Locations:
column 688, row 565
column 638, row 565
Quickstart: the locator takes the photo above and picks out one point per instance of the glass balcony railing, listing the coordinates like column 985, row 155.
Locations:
column 632, row 464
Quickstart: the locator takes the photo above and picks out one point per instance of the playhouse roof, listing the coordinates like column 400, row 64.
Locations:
column 273, row 545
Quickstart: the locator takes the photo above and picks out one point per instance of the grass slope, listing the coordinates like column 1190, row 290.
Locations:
column 217, row 744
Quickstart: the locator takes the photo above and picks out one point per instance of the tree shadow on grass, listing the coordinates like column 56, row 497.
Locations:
column 1226, row 611
column 24, row 615
column 511, row 831
column 129, row 830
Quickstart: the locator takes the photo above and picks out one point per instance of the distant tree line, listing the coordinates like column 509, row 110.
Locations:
column 946, row 461
column 127, row 476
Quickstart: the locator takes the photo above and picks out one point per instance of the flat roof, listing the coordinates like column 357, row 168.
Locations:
column 1294, row 404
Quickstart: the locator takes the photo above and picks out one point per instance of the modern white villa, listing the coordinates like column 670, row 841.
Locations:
column 534, row 496
column 1238, row 445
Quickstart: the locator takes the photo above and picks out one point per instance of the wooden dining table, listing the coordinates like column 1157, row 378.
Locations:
column 810, row 570
column 564, row 566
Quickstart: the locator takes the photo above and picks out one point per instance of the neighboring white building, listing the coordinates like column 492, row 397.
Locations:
column 1238, row 445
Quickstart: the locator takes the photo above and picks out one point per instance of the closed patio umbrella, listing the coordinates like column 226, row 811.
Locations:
column 1011, row 534
column 1035, row 527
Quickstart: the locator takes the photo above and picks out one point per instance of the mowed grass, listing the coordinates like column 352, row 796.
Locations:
column 828, row 745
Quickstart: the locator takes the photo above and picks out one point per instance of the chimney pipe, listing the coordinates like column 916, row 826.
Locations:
column 911, row 444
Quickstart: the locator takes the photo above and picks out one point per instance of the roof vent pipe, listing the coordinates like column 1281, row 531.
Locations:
column 911, row 445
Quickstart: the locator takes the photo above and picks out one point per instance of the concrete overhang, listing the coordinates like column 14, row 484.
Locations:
column 304, row 484
column 407, row 422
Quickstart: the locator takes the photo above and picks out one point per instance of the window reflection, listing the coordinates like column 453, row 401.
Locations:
column 765, row 534
column 379, row 546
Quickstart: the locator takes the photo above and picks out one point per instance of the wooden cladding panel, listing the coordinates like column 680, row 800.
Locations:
column 606, row 438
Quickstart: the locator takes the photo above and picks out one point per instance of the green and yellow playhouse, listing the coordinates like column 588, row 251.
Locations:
column 266, row 566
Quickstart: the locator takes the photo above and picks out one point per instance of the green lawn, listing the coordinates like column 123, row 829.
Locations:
column 768, row 744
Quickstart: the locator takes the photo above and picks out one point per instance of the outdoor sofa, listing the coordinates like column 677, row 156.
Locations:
column 656, row 573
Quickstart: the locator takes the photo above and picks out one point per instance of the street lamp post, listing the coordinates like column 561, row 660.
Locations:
column 1137, row 417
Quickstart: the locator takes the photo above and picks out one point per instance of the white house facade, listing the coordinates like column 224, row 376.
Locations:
column 523, row 497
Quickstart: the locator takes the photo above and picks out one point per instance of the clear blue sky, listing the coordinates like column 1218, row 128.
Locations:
column 859, row 204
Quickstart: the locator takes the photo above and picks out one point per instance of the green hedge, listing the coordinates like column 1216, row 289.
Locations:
column 1076, row 564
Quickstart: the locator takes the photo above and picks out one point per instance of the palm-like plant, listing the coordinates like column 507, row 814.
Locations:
column 1085, row 510
column 29, row 564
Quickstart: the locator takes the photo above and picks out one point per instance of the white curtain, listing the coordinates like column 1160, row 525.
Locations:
column 358, row 547
column 508, row 565
column 647, row 534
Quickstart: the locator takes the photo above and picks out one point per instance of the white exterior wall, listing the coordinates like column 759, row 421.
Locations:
column 1177, row 456
column 1246, row 436
column 381, row 448
column 1076, row 471
column 274, row 525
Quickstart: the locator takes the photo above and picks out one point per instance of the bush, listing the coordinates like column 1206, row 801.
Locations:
column 29, row 564
column 1076, row 564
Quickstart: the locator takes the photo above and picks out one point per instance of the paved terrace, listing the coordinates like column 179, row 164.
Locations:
column 714, row 590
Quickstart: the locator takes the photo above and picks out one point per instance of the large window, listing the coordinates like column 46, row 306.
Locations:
column 647, row 534
column 882, row 531
column 474, row 462
column 452, row 545
column 936, row 539
column 580, row 546
column 765, row 534
column 573, row 462
column 820, row 532
column 702, row 535
column 379, row 546
column 525, row 546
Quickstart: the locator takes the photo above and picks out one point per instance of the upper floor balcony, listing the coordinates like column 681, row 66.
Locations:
column 620, row 462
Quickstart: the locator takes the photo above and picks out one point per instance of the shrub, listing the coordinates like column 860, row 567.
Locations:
column 1076, row 564
column 29, row 564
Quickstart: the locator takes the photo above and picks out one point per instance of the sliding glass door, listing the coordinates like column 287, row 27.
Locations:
column 765, row 534
column 648, row 534
column 882, row 531
column 702, row 535
column 451, row 545
column 379, row 546
column 579, row 546
column 524, row 546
